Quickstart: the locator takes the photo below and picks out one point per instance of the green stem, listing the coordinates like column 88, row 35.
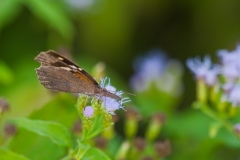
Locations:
column 206, row 109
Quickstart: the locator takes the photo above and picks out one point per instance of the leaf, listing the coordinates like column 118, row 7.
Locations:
column 83, row 148
column 55, row 131
column 8, row 10
column 34, row 143
column 94, row 153
column 8, row 155
column 52, row 13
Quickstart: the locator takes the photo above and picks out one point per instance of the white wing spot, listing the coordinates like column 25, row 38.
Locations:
column 80, row 69
column 60, row 58
column 66, row 68
column 72, row 66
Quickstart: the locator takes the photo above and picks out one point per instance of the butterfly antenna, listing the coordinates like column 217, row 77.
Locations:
column 128, row 93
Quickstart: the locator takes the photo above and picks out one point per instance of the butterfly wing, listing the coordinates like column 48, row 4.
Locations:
column 58, row 73
column 60, row 79
column 51, row 58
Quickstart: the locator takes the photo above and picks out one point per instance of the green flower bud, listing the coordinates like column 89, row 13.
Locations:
column 81, row 103
column 131, row 123
column 201, row 90
column 155, row 126
column 123, row 151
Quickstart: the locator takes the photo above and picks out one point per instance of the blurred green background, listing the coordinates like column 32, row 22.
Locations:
column 115, row 32
column 112, row 31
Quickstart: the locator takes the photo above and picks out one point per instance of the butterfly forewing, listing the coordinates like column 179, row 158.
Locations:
column 58, row 73
column 51, row 58
column 62, row 80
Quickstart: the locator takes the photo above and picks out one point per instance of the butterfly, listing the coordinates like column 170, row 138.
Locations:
column 59, row 73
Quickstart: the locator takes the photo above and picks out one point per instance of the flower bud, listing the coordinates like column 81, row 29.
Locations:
column 201, row 91
column 163, row 148
column 131, row 123
column 88, row 112
column 154, row 126
column 9, row 130
column 77, row 127
column 139, row 144
column 101, row 143
column 82, row 100
column 123, row 151
column 4, row 105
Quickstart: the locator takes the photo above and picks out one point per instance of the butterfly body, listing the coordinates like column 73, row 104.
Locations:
column 58, row 73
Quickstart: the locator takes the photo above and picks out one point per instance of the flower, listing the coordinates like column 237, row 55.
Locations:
column 204, row 69
column 148, row 69
column 199, row 68
column 234, row 97
column 154, row 68
column 231, row 57
column 110, row 88
column 211, row 76
column 110, row 104
column 230, row 63
column 88, row 112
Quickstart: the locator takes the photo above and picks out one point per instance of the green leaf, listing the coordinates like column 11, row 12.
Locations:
column 8, row 155
column 55, row 131
column 83, row 148
column 94, row 153
column 53, row 14
column 34, row 143
column 8, row 11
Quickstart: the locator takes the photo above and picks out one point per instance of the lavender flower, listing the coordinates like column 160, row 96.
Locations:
column 231, row 57
column 204, row 69
column 110, row 104
column 229, row 69
column 234, row 97
column 199, row 68
column 88, row 112
column 230, row 63
column 152, row 69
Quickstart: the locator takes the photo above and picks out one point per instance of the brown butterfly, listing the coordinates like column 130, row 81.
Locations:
column 58, row 73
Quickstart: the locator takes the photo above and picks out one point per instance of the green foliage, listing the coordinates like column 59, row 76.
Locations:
column 56, row 132
column 113, row 32
column 94, row 153
column 53, row 14
column 7, row 155
column 8, row 11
